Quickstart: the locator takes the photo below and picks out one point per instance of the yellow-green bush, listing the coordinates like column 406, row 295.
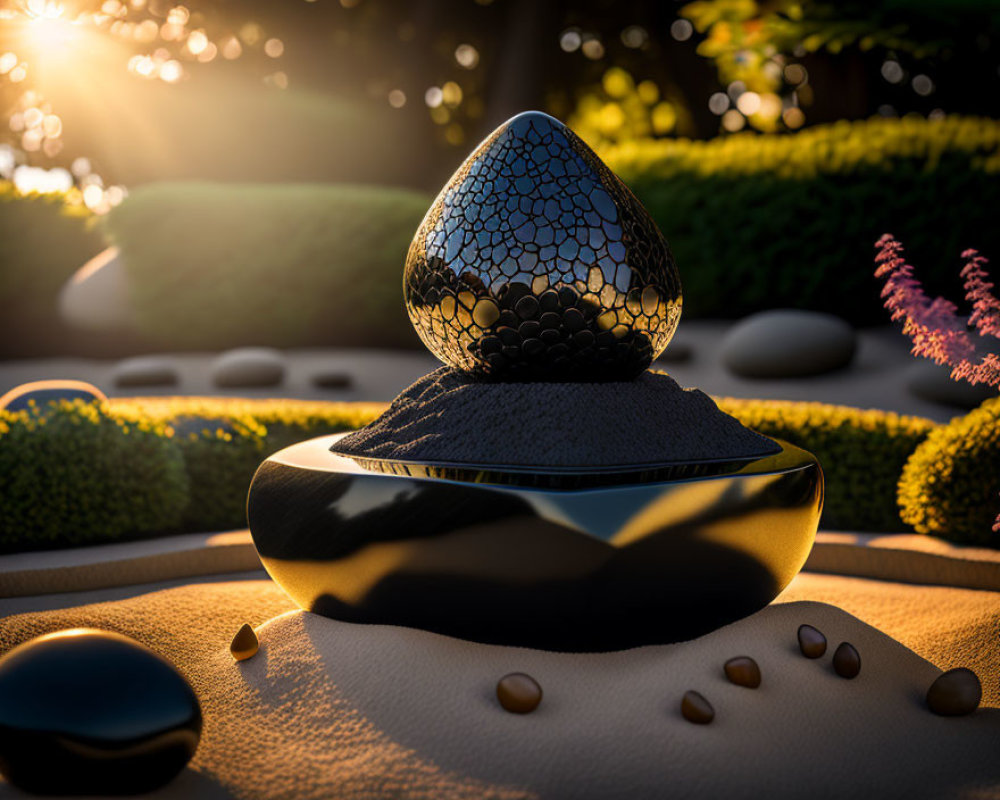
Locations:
column 761, row 221
column 224, row 440
column 950, row 486
column 862, row 454
column 72, row 474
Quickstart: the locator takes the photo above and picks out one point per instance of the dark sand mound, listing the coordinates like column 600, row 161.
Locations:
column 448, row 417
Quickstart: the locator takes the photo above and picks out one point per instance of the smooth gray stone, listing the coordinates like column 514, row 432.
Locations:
column 787, row 343
column 677, row 352
column 933, row 382
column 332, row 379
column 248, row 367
column 97, row 297
column 145, row 371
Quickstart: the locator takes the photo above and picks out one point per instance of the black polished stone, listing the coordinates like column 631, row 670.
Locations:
column 86, row 712
column 561, row 560
column 534, row 225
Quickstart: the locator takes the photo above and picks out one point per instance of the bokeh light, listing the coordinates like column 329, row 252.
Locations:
column 467, row 56
column 718, row 103
column 434, row 97
column 570, row 40
column 733, row 120
column 681, row 30
column 892, row 71
column 593, row 49
column 634, row 36
column 748, row 103
column 922, row 85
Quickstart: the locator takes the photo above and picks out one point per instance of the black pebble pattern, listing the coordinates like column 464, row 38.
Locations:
column 537, row 263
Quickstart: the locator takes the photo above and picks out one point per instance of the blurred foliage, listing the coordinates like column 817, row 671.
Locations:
column 949, row 486
column 620, row 110
column 72, row 474
column 45, row 239
column 759, row 222
column 753, row 41
column 225, row 440
column 216, row 265
column 862, row 453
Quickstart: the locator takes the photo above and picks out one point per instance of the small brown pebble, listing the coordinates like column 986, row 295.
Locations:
column 812, row 643
column 244, row 644
column 955, row 693
column 847, row 661
column 743, row 671
column 519, row 693
column 695, row 708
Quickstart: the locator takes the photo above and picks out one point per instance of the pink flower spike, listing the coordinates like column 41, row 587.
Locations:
column 934, row 327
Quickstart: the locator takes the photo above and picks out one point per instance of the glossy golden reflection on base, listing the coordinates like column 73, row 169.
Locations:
column 596, row 568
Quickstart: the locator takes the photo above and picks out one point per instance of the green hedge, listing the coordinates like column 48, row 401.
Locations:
column 950, row 486
column 761, row 221
column 862, row 454
column 223, row 442
column 45, row 239
column 146, row 465
column 219, row 265
column 73, row 474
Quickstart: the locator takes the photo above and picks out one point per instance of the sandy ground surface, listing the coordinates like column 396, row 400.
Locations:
column 876, row 379
column 328, row 709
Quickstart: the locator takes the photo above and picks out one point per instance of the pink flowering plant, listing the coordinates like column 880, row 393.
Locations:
column 934, row 326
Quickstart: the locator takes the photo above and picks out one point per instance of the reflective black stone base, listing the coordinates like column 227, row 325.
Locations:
column 570, row 560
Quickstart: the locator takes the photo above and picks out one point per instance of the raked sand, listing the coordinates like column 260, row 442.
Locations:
column 333, row 710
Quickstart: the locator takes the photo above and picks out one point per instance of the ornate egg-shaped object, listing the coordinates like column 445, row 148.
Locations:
column 536, row 262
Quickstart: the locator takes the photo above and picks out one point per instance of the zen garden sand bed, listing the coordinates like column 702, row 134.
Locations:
column 329, row 709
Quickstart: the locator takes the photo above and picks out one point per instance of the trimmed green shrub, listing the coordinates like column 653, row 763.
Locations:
column 45, row 240
column 763, row 221
column 950, row 486
column 120, row 471
column 218, row 265
column 862, row 453
column 72, row 474
column 225, row 440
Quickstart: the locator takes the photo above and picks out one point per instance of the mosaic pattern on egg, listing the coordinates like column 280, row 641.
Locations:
column 537, row 263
